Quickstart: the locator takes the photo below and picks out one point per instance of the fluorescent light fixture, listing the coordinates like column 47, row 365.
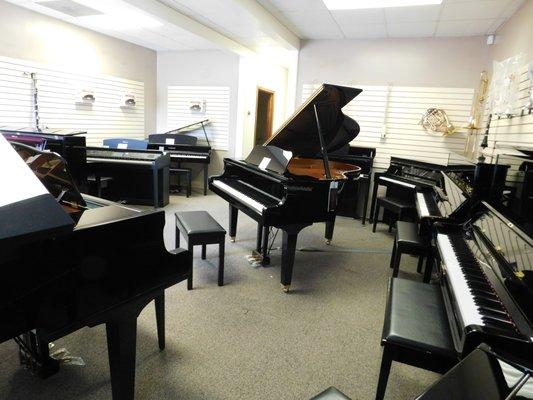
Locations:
column 361, row 4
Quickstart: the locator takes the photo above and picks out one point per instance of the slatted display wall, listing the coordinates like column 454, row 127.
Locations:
column 400, row 115
column 217, row 109
column 517, row 130
column 58, row 107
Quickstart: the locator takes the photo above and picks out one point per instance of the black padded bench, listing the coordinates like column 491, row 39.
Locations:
column 331, row 393
column 408, row 241
column 200, row 228
column 415, row 331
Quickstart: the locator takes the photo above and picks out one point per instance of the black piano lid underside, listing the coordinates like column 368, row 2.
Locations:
column 300, row 133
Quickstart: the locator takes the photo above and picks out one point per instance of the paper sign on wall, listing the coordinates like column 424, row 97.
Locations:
column 169, row 141
column 264, row 163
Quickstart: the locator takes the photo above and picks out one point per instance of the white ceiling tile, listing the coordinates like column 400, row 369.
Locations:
column 366, row 16
column 464, row 28
column 317, row 18
column 363, row 31
column 412, row 14
column 481, row 9
column 298, row 5
column 412, row 29
column 319, row 32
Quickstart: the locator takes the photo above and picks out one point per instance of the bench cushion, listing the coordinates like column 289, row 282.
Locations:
column 198, row 222
column 331, row 393
column 415, row 318
column 393, row 204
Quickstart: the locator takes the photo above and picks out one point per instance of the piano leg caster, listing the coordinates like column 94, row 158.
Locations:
column 328, row 242
column 285, row 288
column 232, row 239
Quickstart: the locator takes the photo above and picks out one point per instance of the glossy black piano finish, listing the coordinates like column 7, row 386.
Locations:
column 488, row 374
column 269, row 188
column 104, row 269
column 486, row 269
column 70, row 146
column 183, row 148
column 139, row 176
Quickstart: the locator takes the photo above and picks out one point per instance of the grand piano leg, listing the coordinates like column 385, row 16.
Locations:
column 374, row 194
column 259, row 237
column 160, row 320
column 365, row 197
column 288, row 250
column 233, row 214
column 330, row 225
column 264, row 246
column 206, row 168
column 121, row 343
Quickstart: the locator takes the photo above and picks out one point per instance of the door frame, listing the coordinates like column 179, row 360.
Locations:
column 270, row 111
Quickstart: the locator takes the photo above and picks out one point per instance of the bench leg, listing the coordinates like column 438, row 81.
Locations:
column 375, row 218
column 397, row 258
column 160, row 320
column 189, row 280
column 390, row 222
column 419, row 265
column 177, row 238
column 393, row 254
column 221, row 263
column 384, row 371
column 204, row 251
column 233, row 214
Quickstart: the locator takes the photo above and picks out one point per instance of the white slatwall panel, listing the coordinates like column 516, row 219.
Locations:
column 217, row 110
column 58, row 91
column 512, row 131
column 405, row 136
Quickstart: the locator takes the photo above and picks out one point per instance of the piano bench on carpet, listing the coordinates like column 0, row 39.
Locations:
column 408, row 241
column 200, row 228
column 179, row 172
column 395, row 206
column 415, row 331
column 331, row 393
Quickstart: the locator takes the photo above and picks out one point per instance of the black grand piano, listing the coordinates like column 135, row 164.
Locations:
column 289, row 182
column 183, row 148
column 70, row 260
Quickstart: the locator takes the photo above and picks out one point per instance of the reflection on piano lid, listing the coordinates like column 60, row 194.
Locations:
column 24, row 194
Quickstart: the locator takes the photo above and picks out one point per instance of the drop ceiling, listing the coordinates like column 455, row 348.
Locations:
column 310, row 19
column 260, row 24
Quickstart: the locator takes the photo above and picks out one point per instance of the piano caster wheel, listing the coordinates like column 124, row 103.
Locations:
column 328, row 242
column 285, row 288
column 232, row 239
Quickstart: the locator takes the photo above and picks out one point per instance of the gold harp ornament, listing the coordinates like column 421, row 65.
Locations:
column 435, row 120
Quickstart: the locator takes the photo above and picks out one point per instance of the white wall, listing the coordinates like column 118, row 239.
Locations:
column 27, row 35
column 198, row 68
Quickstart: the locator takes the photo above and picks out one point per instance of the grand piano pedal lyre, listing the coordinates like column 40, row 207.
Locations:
column 289, row 183
column 70, row 260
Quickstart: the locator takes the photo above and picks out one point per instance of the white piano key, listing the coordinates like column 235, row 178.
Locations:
column 401, row 183
column 240, row 196
column 186, row 156
column 424, row 211
column 118, row 161
column 465, row 301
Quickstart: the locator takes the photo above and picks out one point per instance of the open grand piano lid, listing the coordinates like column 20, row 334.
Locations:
column 27, row 209
column 300, row 133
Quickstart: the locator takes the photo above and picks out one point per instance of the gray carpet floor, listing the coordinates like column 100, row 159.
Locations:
column 248, row 340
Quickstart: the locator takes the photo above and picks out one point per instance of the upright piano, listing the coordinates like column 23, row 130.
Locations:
column 139, row 176
column 289, row 183
column 183, row 148
column 486, row 277
column 70, row 260
column 405, row 176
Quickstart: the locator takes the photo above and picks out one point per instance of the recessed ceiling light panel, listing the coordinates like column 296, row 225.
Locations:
column 362, row 4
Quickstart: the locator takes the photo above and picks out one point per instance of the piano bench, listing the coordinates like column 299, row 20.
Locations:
column 182, row 171
column 415, row 331
column 395, row 206
column 331, row 393
column 408, row 241
column 200, row 228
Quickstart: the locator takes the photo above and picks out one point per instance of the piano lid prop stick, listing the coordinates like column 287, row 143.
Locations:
column 322, row 148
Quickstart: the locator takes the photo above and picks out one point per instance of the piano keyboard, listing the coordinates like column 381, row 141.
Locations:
column 427, row 205
column 119, row 161
column 401, row 183
column 477, row 301
column 424, row 212
column 175, row 155
column 239, row 196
